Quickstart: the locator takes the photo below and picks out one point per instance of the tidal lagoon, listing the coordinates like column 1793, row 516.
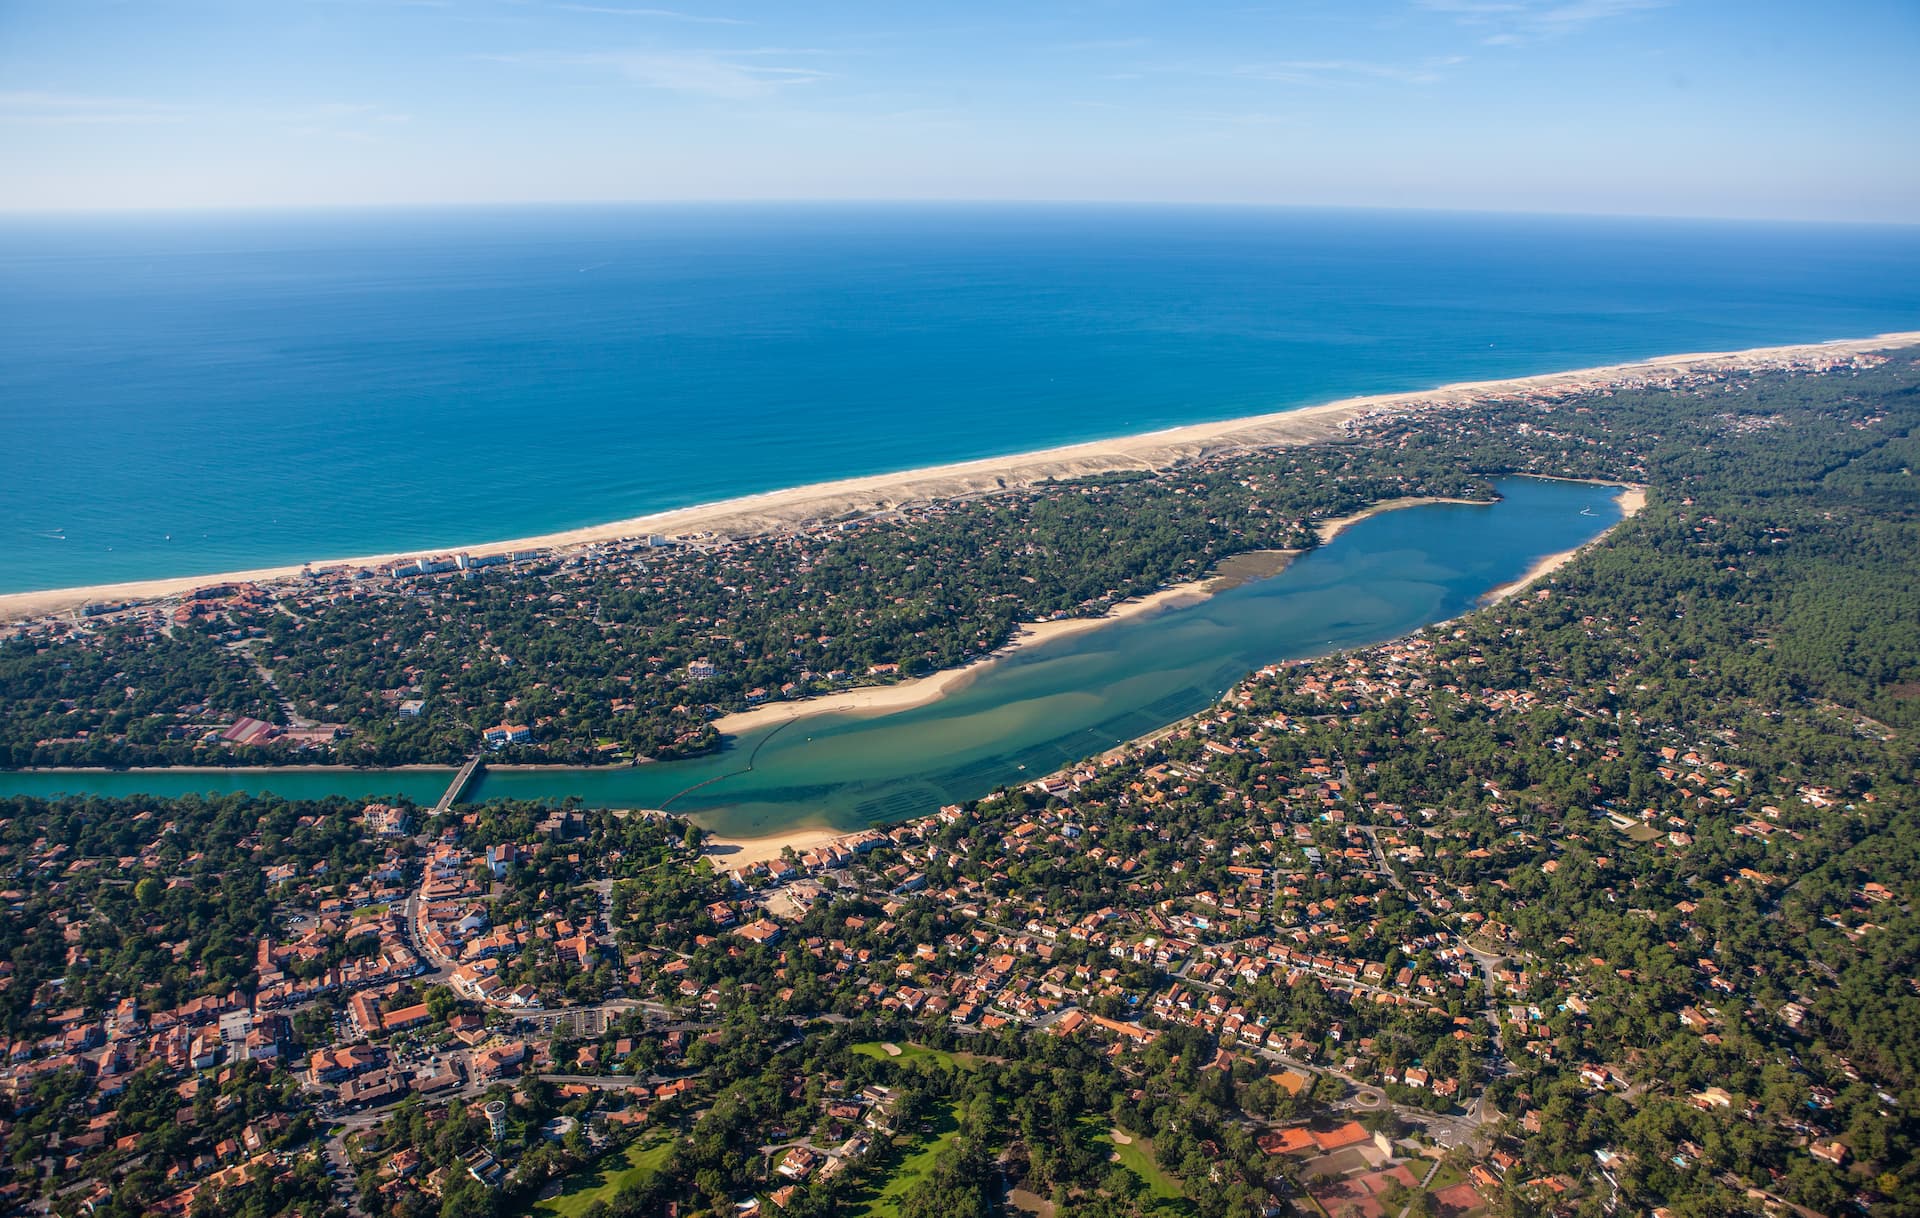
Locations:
column 1029, row 713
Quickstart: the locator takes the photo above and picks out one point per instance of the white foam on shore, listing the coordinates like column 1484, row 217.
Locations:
column 770, row 510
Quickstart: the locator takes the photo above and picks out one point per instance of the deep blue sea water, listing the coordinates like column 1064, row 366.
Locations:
column 195, row 394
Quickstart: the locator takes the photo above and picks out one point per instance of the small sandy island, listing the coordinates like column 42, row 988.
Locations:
column 786, row 509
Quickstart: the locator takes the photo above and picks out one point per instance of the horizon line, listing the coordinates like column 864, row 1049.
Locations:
column 109, row 211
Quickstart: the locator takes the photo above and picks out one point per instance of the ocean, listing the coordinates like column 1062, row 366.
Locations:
column 191, row 394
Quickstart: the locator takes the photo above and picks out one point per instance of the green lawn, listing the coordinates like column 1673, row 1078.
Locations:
column 911, row 1053
column 1137, row 1157
column 604, row 1177
column 915, row 1163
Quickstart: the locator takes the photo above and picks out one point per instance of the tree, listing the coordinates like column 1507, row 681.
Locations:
column 441, row 1002
column 467, row 1198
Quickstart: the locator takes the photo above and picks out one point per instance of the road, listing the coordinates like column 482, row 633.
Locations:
column 245, row 649
column 1445, row 1129
column 458, row 786
column 342, row 1172
column 440, row 966
column 1498, row 1064
column 613, row 1082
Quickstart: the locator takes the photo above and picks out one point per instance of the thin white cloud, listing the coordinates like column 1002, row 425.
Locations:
column 334, row 110
column 33, row 108
column 1514, row 22
column 736, row 52
column 662, row 14
column 1309, row 71
column 390, row 3
column 358, row 121
column 1244, row 119
column 1471, row 7
column 1581, row 12
column 693, row 73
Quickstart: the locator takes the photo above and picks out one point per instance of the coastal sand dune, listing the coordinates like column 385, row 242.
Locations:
column 784, row 509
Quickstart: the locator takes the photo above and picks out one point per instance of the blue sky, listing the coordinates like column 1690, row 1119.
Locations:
column 1745, row 108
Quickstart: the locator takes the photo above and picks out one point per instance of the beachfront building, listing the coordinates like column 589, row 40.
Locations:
column 507, row 733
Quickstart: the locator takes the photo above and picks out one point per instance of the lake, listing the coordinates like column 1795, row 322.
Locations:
column 1031, row 712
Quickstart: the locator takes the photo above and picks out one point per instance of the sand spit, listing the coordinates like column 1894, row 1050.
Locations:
column 919, row 691
column 785, row 509
column 1327, row 530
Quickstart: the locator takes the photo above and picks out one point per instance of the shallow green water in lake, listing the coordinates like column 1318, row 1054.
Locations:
column 1036, row 710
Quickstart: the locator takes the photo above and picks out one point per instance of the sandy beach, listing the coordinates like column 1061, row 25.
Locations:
column 728, row 853
column 798, row 506
column 919, row 691
column 1327, row 530
column 1631, row 499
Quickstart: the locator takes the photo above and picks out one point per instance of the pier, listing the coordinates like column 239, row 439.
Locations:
column 461, row 781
